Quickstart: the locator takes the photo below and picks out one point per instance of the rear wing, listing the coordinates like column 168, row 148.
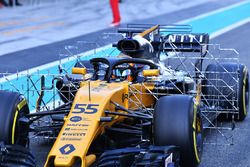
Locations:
column 186, row 43
column 144, row 32
column 158, row 38
column 133, row 29
column 168, row 28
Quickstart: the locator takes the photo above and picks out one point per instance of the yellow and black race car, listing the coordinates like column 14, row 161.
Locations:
column 129, row 111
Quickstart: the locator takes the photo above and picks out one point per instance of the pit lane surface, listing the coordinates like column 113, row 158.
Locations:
column 236, row 155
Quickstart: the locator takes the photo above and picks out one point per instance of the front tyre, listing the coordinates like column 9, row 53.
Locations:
column 177, row 121
column 13, row 121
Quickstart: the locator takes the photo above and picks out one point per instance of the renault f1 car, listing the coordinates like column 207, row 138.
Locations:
column 128, row 110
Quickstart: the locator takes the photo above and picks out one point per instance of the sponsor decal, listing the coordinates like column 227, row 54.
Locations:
column 77, row 125
column 97, row 89
column 186, row 38
column 74, row 134
column 124, row 97
column 86, row 119
column 75, row 119
column 70, row 139
column 75, row 129
column 67, row 149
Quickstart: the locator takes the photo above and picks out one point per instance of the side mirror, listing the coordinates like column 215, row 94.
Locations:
column 151, row 73
column 79, row 70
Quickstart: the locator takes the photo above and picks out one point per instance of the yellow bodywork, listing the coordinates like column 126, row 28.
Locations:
column 83, row 124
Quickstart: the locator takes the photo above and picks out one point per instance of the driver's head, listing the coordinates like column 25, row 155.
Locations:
column 122, row 74
column 116, row 73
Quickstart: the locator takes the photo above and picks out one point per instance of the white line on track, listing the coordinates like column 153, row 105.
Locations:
column 215, row 11
column 229, row 28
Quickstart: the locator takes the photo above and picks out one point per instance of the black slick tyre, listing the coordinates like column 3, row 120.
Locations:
column 177, row 121
column 227, row 86
column 243, row 93
column 13, row 123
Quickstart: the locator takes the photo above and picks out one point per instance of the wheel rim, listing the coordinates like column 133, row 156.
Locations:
column 15, row 128
column 18, row 139
column 245, row 94
column 199, row 138
column 197, row 135
column 18, row 129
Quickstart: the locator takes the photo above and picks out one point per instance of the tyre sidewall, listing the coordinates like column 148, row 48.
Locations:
column 237, row 88
column 173, row 125
column 9, row 114
column 243, row 86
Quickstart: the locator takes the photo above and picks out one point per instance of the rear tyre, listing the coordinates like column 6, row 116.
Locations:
column 236, row 94
column 177, row 121
column 13, row 121
column 16, row 156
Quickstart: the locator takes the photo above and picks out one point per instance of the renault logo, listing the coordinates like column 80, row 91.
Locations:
column 67, row 149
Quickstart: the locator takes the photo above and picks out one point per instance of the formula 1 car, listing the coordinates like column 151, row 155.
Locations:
column 128, row 111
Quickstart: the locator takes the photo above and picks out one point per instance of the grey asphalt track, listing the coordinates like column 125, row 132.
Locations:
column 236, row 155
